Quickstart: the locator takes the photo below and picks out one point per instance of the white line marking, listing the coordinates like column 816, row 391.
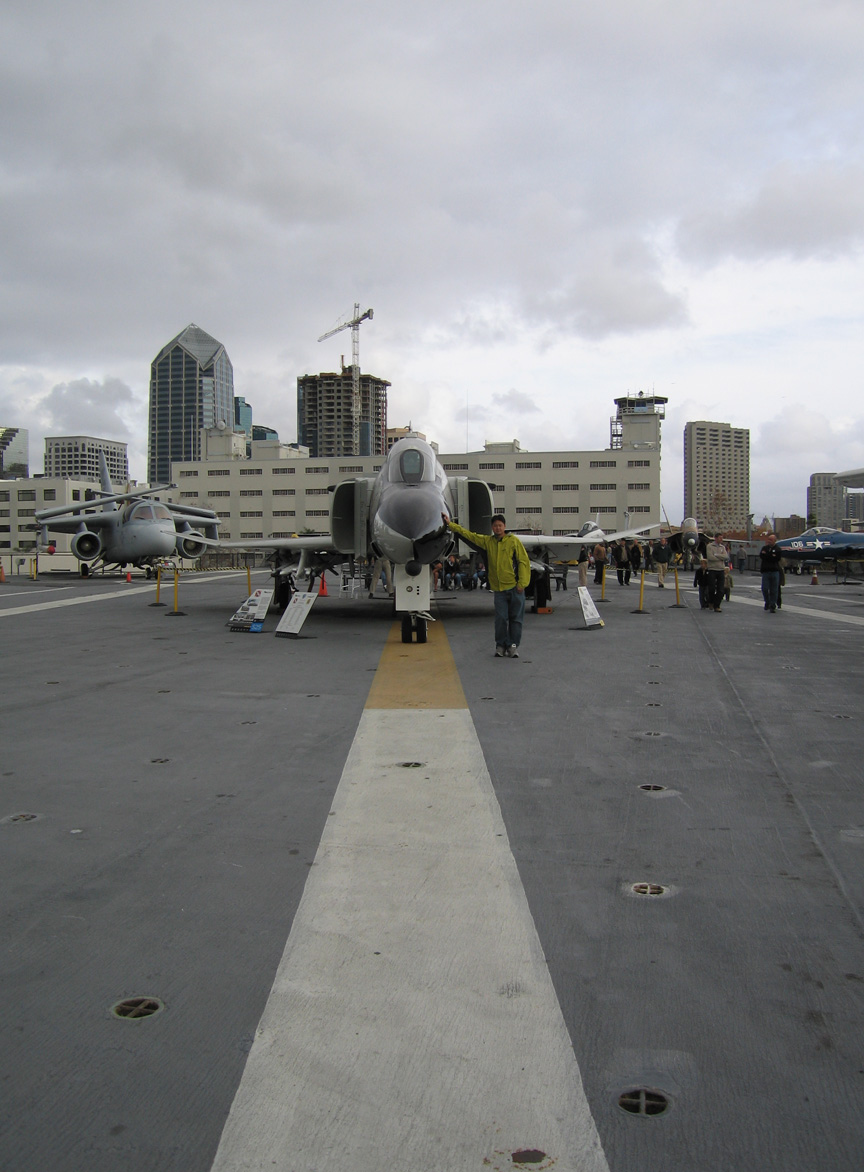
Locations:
column 412, row 1023
column 167, row 589
column 805, row 610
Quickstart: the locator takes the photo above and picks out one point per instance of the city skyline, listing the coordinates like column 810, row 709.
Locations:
column 547, row 209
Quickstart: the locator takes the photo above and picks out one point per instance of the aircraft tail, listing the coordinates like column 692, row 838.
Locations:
column 105, row 479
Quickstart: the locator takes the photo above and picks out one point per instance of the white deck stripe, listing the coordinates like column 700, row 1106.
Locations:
column 855, row 620
column 167, row 589
column 412, row 1023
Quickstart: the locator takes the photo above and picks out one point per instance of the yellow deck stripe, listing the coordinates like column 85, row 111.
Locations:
column 417, row 675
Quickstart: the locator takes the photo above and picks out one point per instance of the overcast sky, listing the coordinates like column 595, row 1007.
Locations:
column 547, row 205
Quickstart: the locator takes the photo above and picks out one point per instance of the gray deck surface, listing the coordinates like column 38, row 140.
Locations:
column 182, row 775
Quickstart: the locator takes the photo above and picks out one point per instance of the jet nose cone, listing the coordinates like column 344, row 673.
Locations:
column 408, row 525
column 413, row 511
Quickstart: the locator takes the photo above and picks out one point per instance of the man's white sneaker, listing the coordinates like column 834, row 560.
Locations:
column 512, row 653
column 500, row 652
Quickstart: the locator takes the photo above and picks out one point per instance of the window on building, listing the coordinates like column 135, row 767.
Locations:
column 189, row 472
column 602, row 509
column 565, row 463
column 317, row 512
column 529, row 487
column 26, row 494
column 283, row 471
column 641, row 487
column 604, row 487
column 458, row 467
column 489, row 467
column 251, row 491
column 284, row 491
column 218, row 471
column 219, row 492
column 529, row 509
column 251, row 471
column 282, row 513
column 351, row 468
column 604, row 464
column 309, row 471
column 253, row 513
column 565, row 509
column 565, row 487
column 317, row 491
column 638, row 463
column 529, row 464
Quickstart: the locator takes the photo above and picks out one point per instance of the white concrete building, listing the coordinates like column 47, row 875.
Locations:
column 281, row 490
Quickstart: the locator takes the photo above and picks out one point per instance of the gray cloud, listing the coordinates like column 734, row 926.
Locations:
column 500, row 182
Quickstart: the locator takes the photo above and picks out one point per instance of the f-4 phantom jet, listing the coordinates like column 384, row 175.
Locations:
column 128, row 529
column 394, row 515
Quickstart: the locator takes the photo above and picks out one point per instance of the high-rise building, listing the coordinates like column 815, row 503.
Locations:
column 14, row 453
column 76, row 457
column 826, row 500
column 191, row 387
column 717, row 475
column 325, row 414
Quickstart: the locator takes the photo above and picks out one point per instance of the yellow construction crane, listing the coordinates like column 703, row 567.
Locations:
column 354, row 325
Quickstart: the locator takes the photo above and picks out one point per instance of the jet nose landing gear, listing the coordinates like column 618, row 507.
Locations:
column 415, row 624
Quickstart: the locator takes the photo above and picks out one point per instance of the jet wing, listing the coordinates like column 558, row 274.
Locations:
column 72, row 522
column 310, row 543
column 540, row 544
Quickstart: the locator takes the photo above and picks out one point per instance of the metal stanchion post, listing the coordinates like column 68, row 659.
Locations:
column 158, row 587
column 173, row 613
column 677, row 602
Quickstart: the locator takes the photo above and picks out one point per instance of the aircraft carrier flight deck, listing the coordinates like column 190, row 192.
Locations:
column 341, row 902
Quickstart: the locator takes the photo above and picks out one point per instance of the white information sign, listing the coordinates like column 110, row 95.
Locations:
column 295, row 614
column 590, row 613
column 251, row 615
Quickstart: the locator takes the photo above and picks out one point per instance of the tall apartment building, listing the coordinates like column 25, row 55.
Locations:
column 325, row 414
column 717, row 474
column 191, row 387
column 826, row 500
column 77, row 457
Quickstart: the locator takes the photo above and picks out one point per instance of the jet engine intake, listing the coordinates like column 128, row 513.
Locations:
column 190, row 545
column 86, row 546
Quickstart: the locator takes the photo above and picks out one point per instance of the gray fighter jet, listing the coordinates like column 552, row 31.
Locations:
column 395, row 515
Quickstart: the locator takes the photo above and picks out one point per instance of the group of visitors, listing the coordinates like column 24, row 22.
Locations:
column 509, row 573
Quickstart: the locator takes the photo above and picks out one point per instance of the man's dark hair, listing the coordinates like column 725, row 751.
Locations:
column 498, row 517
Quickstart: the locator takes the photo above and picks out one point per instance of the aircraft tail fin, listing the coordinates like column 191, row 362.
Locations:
column 105, row 479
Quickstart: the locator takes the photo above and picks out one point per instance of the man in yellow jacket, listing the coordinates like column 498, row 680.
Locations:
column 509, row 572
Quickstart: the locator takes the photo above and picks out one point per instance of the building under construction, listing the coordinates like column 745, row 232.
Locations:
column 325, row 416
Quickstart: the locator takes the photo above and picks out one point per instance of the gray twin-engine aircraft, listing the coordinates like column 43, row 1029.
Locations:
column 128, row 529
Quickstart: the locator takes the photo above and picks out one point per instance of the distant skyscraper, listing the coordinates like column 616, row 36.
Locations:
column 14, row 453
column 826, row 500
column 325, row 414
column 76, row 457
column 243, row 415
column 191, row 386
column 717, row 475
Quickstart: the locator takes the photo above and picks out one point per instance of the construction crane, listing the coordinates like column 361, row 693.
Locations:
column 354, row 323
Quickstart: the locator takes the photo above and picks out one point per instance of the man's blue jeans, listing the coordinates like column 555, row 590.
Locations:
column 509, row 611
column 770, row 587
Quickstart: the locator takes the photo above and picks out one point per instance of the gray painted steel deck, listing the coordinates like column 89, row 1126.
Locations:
column 182, row 776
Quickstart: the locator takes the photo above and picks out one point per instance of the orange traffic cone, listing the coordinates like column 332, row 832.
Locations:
column 128, row 575
column 322, row 588
column 2, row 575
column 814, row 581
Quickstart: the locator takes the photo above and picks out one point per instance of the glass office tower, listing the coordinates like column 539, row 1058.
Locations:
column 191, row 386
